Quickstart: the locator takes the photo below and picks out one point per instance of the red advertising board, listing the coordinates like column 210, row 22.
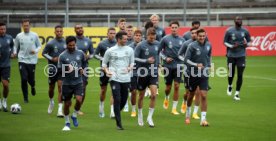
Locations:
column 263, row 40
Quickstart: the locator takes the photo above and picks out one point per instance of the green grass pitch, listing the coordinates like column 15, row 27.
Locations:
column 251, row 119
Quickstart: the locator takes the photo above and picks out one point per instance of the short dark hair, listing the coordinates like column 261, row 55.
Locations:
column 151, row 31
column 121, row 20
column 129, row 26
column 58, row 26
column 2, row 24
column 137, row 31
column 70, row 39
column 111, row 28
column 25, row 20
column 195, row 22
column 148, row 24
column 193, row 29
column 174, row 22
column 200, row 31
column 120, row 34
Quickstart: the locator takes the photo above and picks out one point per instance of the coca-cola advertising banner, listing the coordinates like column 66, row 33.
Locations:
column 263, row 39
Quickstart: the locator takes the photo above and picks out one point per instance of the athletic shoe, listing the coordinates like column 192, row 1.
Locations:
column 229, row 91
column 80, row 113
column 150, row 122
column 140, row 119
column 101, row 114
column 166, row 104
column 50, row 108
column 133, row 114
column 126, row 108
column 237, row 98
column 5, row 106
column 204, row 123
column 60, row 114
column 33, row 91
column 174, row 112
column 187, row 121
column 112, row 115
column 66, row 127
column 75, row 121
column 195, row 116
column 120, row 127
column 183, row 108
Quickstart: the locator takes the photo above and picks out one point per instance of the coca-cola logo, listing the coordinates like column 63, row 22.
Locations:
column 263, row 43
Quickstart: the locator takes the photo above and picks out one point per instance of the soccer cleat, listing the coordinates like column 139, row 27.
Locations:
column 150, row 122
column 66, row 127
column 33, row 91
column 126, row 108
column 174, row 112
column 237, row 98
column 60, row 114
column 204, row 123
column 112, row 115
column 101, row 114
column 187, row 121
column 229, row 91
column 120, row 128
column 140, row 119
column 80, row 113
column 5, row 106
column 133, row 114
column 166, row 104
column 26, row 100
column 75, row 121
column 183, row 108
column 195, row 116
column 50, row 108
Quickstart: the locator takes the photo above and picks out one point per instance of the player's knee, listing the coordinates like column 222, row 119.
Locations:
column 5, row 83
column 204, row 97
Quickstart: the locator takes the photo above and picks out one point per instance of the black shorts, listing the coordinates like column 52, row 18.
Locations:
column 69, row 90
column 186, row 82
column 104, row 80
column 201, row 82
column 133, row 83
column 171, row 75
column 239, row 61
column 53, row 79
column 85, row 78
column 5, row 73
column 144, row 82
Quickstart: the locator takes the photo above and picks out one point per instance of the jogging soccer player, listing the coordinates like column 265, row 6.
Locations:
column 160, row 32
column 170, row 45
column 121, row 61
column 86, row 46
column 236, row 40
column 198, row 60
column 133, row 84
column 129, row 30
column 187, row 35
column 121, row 24
column 147, row 58
column 70, row 64
column 51, row 52
column 104, row 79
column 6, row 52
column 181, row 54
column 28, row 45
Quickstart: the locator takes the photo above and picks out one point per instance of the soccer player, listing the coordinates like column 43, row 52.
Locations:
column 28, row 45
column 129, row 30
column 6, row 51
column 170, row 45
column 236, row 40
column 70, row 64
column 187, row 35
column 148, row 24
column 51, row 52
column 104, row 79
column 133, row 84
column 86, row 46
column 181, row 54
column 122, row 24
column 121, row 61
column 160, row 32
column 198, row 60
column 147, row 57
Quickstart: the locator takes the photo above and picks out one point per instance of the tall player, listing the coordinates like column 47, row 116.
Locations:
column 51, row 52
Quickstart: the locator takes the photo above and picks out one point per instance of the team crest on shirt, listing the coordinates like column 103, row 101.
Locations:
column 147, row 52
column 242, row 34
column 233, row 36
column 208, row 48
column 126, row 53
column 170, row 45
column 56, row 49
column 74, row 64
column 180, row 42
column 156, row 48
column 78, row 57
column 64, row 45
column 160, row 32
column 85, row 44
column 198, row 51
column 8, row 41
column 67, row 59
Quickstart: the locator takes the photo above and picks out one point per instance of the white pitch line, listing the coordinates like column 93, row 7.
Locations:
column 258, row 77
